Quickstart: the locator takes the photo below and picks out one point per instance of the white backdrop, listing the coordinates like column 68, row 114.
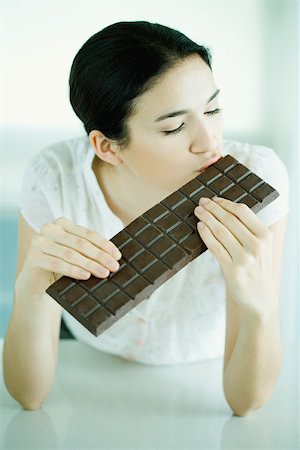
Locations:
column 255, row 48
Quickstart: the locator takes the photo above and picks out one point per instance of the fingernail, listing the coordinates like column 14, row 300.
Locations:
column 113, row 265
column 85, row 274
column 204, row 200
column 102, row 271
column 116, row 254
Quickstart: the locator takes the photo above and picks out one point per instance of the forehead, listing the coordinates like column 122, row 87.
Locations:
column 189, row 82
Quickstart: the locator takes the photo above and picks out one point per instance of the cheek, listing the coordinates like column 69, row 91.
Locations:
column 153, row 164
column 162, row 163
column 166, row 171
column 159, row 167
column 220, row 125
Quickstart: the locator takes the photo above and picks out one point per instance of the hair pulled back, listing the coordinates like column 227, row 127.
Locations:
column 115, row 66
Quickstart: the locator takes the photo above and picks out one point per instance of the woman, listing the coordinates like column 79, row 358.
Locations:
column 149, row 104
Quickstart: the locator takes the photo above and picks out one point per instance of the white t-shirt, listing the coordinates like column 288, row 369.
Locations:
column 184, row 320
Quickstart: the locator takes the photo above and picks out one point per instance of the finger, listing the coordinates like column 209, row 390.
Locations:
column 72, row 257
column 213, row 244
column 90, row 235
column 244, row 214
column 57, row 265
column 233, row 223
column 77, row 250
column 219, row 234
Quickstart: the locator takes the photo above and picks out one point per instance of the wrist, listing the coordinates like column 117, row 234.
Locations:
column 32, row 315
column 32, row 304
column 260, row 311
column 261, row 320
column 32, row 284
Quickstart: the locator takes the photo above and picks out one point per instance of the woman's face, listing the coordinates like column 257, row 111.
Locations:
column 167, row 161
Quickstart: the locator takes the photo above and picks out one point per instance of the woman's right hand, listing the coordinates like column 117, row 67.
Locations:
column 64, row 248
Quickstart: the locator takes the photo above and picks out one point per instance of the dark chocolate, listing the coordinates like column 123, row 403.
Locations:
column 157, row 244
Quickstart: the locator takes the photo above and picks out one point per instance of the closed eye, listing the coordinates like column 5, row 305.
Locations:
column 174, row 131
column 215, row 111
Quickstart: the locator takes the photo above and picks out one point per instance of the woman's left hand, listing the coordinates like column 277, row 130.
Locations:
column 242, row 244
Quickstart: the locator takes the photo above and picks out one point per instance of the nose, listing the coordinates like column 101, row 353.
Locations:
column 205, row 139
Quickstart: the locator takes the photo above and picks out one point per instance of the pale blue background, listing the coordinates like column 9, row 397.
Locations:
column 255, row 49
column 255, row 63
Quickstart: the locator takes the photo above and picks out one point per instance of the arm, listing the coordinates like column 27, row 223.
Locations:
column 250, row 258
column 256, row 342
column 31, row 343
column 251, row 373
column 30, row 348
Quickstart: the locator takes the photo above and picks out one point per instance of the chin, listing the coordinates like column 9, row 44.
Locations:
column 184, row 181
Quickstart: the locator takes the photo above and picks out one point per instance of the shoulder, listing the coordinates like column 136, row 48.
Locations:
column 62, row 158
column 261, row 160
column 265, row 163
column 49, row 181
column 254, row 155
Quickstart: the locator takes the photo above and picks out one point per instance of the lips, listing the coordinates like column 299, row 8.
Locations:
column 209, row 162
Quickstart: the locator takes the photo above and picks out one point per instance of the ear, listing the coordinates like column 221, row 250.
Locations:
column 105, row 148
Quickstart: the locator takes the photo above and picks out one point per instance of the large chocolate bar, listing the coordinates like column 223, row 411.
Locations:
column 157, row 244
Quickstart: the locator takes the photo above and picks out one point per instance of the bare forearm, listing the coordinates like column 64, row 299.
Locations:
column 254, row 366
column 29, row 353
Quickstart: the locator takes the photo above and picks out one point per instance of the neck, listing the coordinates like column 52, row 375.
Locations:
column 126, row 195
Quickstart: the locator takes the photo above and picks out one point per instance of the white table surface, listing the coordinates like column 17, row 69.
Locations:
column 100, row 401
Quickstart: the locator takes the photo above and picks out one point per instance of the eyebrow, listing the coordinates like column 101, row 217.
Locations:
column 184, row 111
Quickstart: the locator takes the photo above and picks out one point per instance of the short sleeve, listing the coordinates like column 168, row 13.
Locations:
column 37, row 192
column 272, row 170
